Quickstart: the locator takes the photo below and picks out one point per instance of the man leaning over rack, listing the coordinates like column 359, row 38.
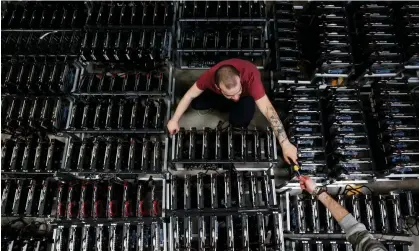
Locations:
column 356, row 233
column 234, row 86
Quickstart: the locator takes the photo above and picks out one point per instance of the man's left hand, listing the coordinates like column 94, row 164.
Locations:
column 289, row 152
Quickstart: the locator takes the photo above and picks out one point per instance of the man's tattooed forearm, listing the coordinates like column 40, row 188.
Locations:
column 276, row 124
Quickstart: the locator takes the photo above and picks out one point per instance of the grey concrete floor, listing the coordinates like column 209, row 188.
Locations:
column 210, row 118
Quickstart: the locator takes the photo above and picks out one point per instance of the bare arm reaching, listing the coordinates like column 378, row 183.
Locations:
column 173, row 123
column 288, row 150
column 356, row 233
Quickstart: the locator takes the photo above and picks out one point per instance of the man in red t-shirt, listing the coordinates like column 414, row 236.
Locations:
column 234, row 85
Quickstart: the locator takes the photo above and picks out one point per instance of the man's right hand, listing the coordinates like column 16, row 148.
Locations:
column 307, row 183
column 173, row 126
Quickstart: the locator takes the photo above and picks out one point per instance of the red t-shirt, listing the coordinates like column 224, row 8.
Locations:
column 249, row 76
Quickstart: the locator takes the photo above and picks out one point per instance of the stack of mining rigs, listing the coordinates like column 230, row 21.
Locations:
column 87, row 89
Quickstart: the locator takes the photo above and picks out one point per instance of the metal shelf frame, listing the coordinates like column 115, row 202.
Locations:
column 182, row 23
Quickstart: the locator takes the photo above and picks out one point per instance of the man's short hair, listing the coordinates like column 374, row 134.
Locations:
column 226, row 74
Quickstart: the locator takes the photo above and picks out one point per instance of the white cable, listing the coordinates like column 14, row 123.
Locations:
column 46, row 34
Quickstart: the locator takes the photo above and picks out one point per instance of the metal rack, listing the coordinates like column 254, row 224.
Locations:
column 124, row 33
column 28, row 114
column 84, row 237
column 245, row 148
column 254, row 191
column 378, row 35
column 336, row 58
column 139, row 97
column 397, row 126
column 41, row 42
column 344, row 41
column 203, row 160
column 412, row 32
column 63, row 156
column 28, row 76
column 33, row 243
column 311, row 245
column 28, row 197
column 236, row 200
column 20, row 158
column 350, row 147
column 130, row 15
column 308, row 224
column 124, row 83
column 288, row 55
column 365, row 46
column 331, row 128
column 243, row 33
column 114, row 154
column 94, row 114
column 148, row 48
column 235, row 232
column 88, row 88
column 35, row 15
column 97, row 201
column 304, row 124
column 381, row 214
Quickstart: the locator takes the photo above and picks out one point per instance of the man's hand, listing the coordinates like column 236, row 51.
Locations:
column 173, row 126
column 289, row 151
column 307, row 184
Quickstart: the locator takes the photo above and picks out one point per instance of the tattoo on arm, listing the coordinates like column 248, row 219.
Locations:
column 276, row 124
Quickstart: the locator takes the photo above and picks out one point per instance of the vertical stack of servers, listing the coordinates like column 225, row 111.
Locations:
column 293, row 94
column 211, row 31
column 409, row 21
column 288, row 56
column 396, row 122
column 40, row 44
column 336, row 55
column 327, row 124
column 302, row 115
column 85, row 96
column 221, row 181
column 221, row 184
column 358, row 63
column 360, row 45
column 379, row 43
column 117, row 146
column 39, row 69
column 393, row 94
column 312, row 40
column 349, row 151
column 343, row 42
